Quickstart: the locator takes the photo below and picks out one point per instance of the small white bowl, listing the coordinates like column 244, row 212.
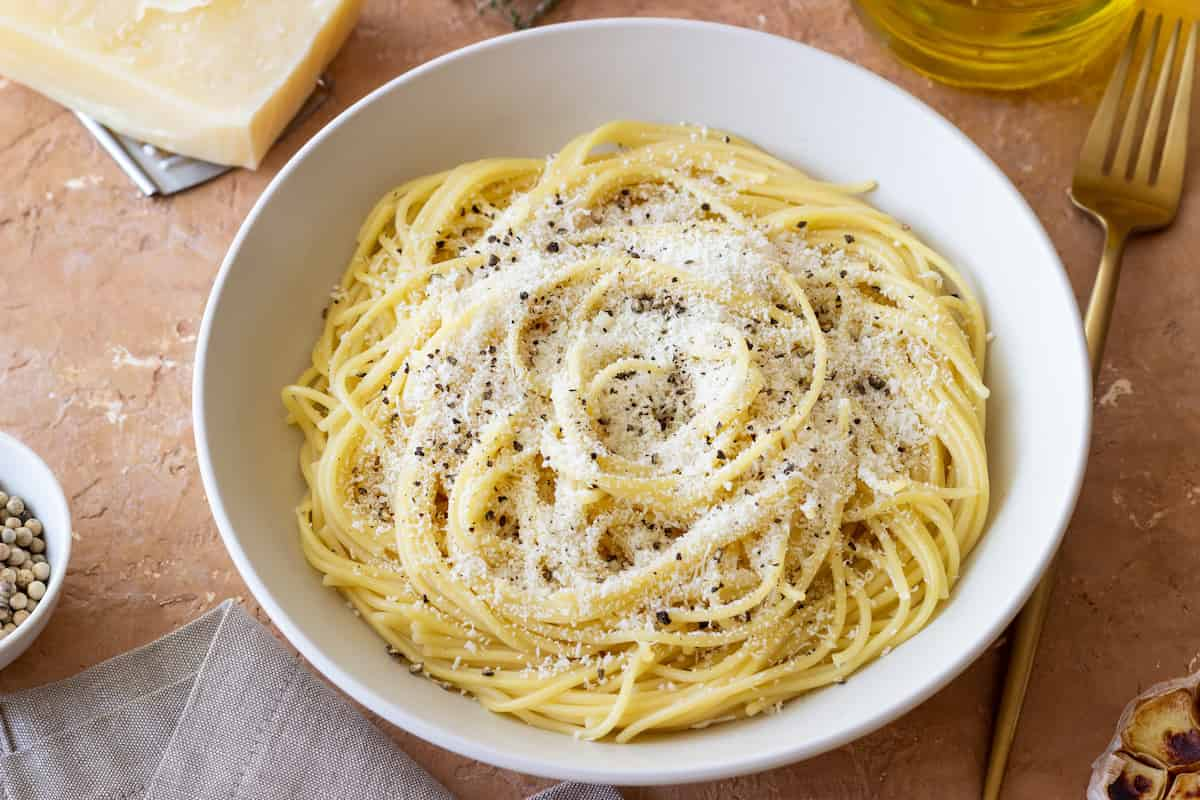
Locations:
column 24, row 474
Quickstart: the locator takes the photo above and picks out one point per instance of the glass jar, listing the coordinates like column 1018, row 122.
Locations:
column 1000, row 44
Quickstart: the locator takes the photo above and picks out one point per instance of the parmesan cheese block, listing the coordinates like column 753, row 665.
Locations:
column 212, row 79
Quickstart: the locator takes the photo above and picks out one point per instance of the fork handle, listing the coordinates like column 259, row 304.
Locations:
column 1028, row 627
column 1026, row 632
column 1104, row 291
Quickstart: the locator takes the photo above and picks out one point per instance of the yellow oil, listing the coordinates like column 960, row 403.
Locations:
column 999, row 44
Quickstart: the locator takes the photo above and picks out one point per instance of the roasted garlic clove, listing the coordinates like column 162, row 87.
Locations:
column 1164, row 729
column 1186, row 787
column 1126, row 778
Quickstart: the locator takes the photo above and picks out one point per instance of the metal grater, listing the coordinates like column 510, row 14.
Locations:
column 156, row 171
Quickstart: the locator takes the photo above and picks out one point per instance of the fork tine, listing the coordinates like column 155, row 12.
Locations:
column 1130, row 128
column 1146, row 151
column 1170, row 173
column 1095, row 146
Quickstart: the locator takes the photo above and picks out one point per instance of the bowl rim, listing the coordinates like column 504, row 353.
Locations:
column 24, row 634
column 706, row 769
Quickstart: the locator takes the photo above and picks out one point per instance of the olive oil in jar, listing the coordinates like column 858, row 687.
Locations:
column 1001, row 44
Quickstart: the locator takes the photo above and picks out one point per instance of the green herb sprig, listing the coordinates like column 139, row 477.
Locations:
column 511, row 10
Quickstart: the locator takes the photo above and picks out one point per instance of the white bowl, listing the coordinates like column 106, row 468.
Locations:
column 527, row 94
column 24, row 474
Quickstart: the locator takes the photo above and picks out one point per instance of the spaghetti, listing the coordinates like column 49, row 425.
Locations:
column 651, row 434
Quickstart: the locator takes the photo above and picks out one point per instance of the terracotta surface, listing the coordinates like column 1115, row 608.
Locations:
column 101, row 293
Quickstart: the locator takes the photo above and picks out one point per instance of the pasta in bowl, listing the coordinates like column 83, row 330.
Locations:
column 528, row 95
column 654, row 433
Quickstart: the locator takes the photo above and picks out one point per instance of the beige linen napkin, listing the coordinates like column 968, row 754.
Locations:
column 216, row 710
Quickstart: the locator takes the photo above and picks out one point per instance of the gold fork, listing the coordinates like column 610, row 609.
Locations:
column 1129, row 187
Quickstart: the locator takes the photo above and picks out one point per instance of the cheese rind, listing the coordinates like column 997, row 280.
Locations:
column 211, row 79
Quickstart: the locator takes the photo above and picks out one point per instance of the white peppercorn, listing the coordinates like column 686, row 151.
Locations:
column 24, row 569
